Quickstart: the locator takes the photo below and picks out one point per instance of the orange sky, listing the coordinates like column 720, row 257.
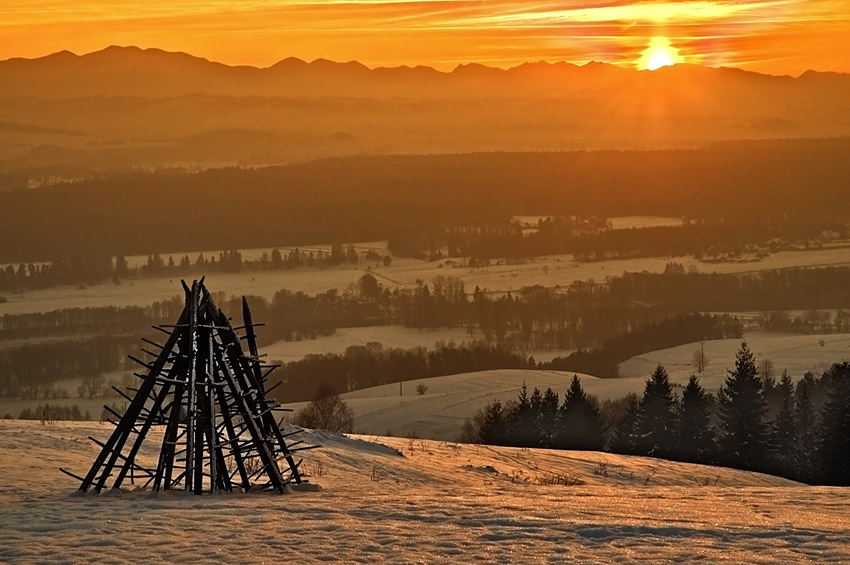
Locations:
column 774, row 36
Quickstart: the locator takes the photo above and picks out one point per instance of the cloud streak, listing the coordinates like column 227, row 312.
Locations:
column 780, row 36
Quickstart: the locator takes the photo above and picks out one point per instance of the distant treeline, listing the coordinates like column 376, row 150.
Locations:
column 98, row 269
column 647, row 311
column 688, row 328
column 590, row 239
column 372, row 365
column 754, row 422
column 385, row 197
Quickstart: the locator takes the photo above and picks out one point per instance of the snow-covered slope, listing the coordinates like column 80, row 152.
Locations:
column 795, row 353
column 449, row 400
column 435, row 501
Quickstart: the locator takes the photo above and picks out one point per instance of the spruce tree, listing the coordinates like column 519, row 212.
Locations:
column 536, row 401
column 782, row 427
column 804, row 450
column 492, row 429
column 834, row 440
column 623, row 438
column 743, row 440
column 695, row 439
column 520, row 425
column 547, row 423
column 580, row 422
column 656, row 416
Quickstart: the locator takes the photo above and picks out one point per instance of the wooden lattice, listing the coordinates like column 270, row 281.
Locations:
column 220, row 430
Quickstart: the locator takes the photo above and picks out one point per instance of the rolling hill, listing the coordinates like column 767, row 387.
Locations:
column 387, row 499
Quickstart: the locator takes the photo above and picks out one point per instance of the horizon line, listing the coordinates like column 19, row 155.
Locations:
column 458, row 66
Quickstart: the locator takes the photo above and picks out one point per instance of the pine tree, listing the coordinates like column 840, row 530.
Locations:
column 782, row 427
column 656, row 416
column 579, row 422
column 695, row 439
column 547, row 421
column 805, row 438
column 492, row 430
column 520, row 424
column 623, row 440
column 834, row 436
column 743, row 440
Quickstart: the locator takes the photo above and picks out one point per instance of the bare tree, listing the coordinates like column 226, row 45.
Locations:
column 327, row 412
column 700, row 359
column 91, row 385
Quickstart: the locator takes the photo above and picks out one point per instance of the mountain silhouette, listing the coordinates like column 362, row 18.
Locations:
column 131, row 71
column 126, row 107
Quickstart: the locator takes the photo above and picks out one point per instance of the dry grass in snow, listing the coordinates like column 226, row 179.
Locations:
column 438, row 502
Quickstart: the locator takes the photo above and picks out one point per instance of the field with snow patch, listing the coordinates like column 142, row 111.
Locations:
column 449, row 400
column 400, row 501
column 796, row 353
column 549, row 271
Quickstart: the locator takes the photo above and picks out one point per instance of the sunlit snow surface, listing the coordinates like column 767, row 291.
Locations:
column 439, row 502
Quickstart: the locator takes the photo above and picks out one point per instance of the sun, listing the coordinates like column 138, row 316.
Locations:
column 658, row 54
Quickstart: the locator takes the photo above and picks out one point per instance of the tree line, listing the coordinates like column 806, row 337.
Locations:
column 368, row 198
column 373, row 365
column 647, row 311
column 103, row 268
column 593, row 239
column 755, row 423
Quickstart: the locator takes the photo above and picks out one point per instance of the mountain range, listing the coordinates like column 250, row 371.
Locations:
column 66, row 115
column 131, row 71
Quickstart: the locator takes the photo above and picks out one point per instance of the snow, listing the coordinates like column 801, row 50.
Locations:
column 449, row 400
column 389, row 336
column 549, row 271
column 439, row 501
column 796, row 353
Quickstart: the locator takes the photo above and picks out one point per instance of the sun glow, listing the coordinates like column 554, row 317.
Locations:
column 658, row 54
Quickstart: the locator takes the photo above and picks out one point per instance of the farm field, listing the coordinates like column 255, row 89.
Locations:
column 549, row 271
column 388, row 336
column 427, row 500
column 449, row 400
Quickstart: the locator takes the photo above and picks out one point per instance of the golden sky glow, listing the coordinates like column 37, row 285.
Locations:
column 774, row 36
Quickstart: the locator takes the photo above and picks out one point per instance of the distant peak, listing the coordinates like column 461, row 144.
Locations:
column 289, row 63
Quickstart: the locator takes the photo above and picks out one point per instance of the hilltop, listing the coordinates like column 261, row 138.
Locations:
column 393, row 499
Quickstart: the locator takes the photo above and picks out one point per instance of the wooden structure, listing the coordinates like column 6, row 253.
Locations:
column 220, row 430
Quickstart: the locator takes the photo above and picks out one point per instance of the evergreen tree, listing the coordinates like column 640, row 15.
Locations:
column 536, row 401
column 782, row 427
column 695, row 439
column 491, row 430
column 547, row 421
column 623, row 440
column 579, row 422
column 834, row 436
column 743, row 440
column 656, row 416
column 521, row 423
column 804, row 451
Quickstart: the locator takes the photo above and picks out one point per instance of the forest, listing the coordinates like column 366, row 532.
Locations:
column 382, row 197
column 754, row 422
column 592, row 239
column 99, row 269
column 607, row 322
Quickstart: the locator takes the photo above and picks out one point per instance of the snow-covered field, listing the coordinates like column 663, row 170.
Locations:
column 548, row 271
column 436, row 502
column 449, row 400
column 795, row 353
column 388, row 336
